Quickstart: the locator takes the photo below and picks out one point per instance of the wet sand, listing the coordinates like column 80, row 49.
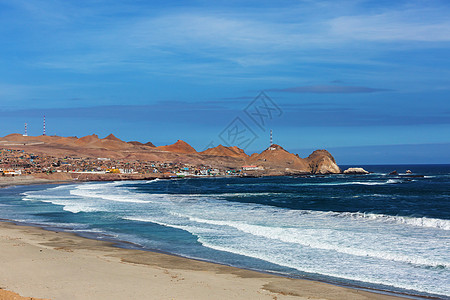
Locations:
column 22, row 180
column 57, row 265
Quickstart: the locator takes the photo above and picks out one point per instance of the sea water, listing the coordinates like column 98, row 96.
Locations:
column 380, row 231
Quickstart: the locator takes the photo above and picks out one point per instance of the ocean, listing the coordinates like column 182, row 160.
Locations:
column 375, row 231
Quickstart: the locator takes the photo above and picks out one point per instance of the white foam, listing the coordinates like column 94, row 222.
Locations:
column 153, row 181
column 412, row 221
column 405, row 252
column 368, row 182
column 301, row 237
column 275, row 258
column 303, row 258
column 102, row 192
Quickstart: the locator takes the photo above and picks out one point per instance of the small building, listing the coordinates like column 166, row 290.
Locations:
column 250, row 168
column 11, row 172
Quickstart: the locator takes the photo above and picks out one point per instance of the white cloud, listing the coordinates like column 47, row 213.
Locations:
column 165, row 40
column 409, row 25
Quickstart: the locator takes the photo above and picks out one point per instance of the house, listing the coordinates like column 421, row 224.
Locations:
column 11, row 172
column 251, row 168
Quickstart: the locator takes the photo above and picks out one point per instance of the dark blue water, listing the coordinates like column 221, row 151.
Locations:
column 381, row 231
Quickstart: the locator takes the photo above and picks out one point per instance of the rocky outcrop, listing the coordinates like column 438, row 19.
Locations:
column 322, row 162
column 355, row 171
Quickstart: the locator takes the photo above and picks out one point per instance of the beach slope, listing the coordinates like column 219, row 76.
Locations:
column 56, row 265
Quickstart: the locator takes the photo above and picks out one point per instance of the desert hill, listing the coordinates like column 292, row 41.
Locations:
column 111, row 137
column 226, row 151
column 278, row 158
column 179, row 147
column 110, row 142
column 136, row 143
column 274, row 160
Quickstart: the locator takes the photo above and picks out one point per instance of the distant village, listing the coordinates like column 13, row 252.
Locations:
column 19, row 162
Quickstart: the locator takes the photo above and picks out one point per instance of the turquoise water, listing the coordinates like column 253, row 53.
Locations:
column 388, row 232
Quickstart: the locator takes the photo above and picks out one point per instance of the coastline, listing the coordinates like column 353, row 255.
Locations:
column 60, row 265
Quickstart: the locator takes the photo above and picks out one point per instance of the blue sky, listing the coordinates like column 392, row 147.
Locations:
column 345, row 75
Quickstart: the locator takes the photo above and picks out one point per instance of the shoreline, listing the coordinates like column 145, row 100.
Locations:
column 62, row 255
column 117, row 244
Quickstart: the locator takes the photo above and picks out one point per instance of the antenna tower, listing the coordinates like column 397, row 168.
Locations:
column 26, row 130
column 271, row 138
column 43, row 133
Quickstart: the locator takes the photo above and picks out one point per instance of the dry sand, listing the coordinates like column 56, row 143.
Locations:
column 56, row 265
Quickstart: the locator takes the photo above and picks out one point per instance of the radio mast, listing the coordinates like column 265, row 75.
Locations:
column 43, row 131
column 271, row 138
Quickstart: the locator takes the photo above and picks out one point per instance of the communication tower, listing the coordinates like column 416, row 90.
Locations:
column 43, row 132
column 271, row 138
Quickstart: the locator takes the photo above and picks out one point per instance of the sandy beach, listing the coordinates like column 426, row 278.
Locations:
column 22, row 180
column 60, row 178
column 55, row 265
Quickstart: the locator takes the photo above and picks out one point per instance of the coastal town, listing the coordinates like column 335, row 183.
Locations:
column 91, row 158
column 18, row 162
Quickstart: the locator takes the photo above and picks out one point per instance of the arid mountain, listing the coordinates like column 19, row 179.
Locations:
column 111, row 137
column 87, row 140
column 179, row 147
column 136, row 143
column 273, row 161
column 226, row 151
column 110, row 142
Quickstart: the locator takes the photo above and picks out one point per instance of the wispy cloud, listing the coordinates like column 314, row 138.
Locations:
column 329, row 89
column 218, row 114
column 239, row 98
column 228, row 40
column 417, row 24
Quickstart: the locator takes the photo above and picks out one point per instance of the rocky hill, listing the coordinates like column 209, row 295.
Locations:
column 322, row 162
column 179, row 147
column 226, row 151
column 279, row 160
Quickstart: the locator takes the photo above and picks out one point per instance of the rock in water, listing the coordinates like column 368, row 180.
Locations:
column 322, row 162
column 355, row 171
